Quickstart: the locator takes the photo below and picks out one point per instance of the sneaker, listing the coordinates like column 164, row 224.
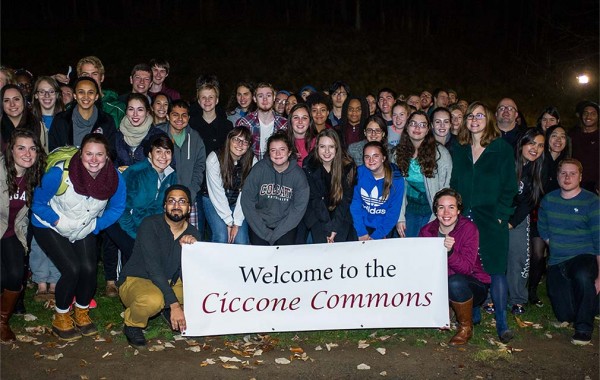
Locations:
column 518, row 309
column 581, row 338
column 135, row 336
column 506, row 336
column 489, row 308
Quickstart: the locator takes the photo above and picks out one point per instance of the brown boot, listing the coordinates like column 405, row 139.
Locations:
column 464, row 316
column 84, row 322
column 64, row 327
column 7, row 306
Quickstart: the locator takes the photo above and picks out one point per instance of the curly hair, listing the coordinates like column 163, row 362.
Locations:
column 426, row 153
column 33, row 175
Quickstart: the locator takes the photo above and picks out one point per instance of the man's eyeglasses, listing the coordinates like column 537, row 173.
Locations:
column 507, row 108
column 180, row 201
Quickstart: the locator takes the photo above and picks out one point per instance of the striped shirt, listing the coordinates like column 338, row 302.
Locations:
column 571, row 225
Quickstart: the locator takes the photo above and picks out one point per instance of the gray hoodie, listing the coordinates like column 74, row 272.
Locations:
column 189, row 160
column 273, row 202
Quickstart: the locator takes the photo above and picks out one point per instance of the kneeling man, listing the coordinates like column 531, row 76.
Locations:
column 568, row 222
column 151, row 279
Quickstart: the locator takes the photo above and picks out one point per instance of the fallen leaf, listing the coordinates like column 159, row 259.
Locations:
column 226, row 359
column 169, row 345
column 318, row 348
column 548, row 335
column 383, row 373
column 194, row 349
column 363, row 344
column 122, row 314
column 107, row 354
column 98, row 338
column 522, row 323
column 53, row 357
column 83, row 377
column 114, row 332
column 405, row 353
column 178, row 337
column 362, row 366
column 384, row 337
column 537, row 326
column 257, row 352
column 156, row 348
column 83, row 363
column 136, row 352
column 230, row 366
column 25, row 338
column 381, row 350
column 421, row 341
column 192, row 342
column 38, row 330
column 329, row 346
column 282, row 361
column 296, row 350
column 209, row 361
column 443, row 344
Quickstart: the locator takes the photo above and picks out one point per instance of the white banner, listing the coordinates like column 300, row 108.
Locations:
column 387, row 283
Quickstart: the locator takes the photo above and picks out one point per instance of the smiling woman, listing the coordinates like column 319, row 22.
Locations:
column 66, row 225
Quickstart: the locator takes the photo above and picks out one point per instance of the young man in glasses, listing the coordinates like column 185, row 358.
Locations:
column 151, row 280
column 506, row 118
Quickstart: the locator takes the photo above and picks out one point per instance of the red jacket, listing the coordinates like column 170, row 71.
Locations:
column 465, row 253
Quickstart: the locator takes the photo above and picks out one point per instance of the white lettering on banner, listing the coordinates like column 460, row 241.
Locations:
column 386, row 283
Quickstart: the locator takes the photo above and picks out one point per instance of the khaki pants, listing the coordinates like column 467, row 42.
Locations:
column 143, row 300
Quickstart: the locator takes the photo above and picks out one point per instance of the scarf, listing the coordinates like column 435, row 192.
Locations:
column 102, row 187
column 132, row 135
column 82, row 127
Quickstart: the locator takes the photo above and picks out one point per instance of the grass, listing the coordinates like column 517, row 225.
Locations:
column 108, row 317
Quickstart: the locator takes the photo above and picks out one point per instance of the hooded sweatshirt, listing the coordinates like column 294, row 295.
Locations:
column 273, row 202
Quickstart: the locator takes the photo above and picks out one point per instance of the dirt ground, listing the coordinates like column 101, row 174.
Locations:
column 530, row 356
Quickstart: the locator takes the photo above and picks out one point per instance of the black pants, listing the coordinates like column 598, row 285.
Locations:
column 124, row 242
column 77, row 263
column 12, row 255
column 288, row 239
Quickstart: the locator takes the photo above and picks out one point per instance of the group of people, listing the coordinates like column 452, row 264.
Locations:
column 132, row 177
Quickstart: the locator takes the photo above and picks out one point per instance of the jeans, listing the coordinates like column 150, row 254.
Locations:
column 461, row 288
column 517, row 266
column 42, row 268
column 572, row 292
column 218, row 226
column 414, row 223
column 201, row 218
column 499, row 293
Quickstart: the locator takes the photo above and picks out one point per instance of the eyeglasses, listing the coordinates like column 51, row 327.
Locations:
column 371, row 131
column 414, row 124
column 281, row 101
column 239, row 141
column 478, row 116
column 507, row 108
column 180, row 201
column 46, row 93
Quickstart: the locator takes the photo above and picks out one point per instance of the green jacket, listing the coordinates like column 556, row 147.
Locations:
column 112, row 106
column 487, row 189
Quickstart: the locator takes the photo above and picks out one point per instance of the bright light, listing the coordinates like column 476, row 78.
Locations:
column 583, row 79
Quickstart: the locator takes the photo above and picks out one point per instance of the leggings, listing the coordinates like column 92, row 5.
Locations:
column 537, row 266
column 77, row 263
column 12, row 255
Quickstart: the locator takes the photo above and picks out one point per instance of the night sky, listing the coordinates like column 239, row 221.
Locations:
column 529, row 50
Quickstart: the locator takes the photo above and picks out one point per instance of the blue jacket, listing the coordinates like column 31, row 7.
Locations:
column 125, row 157
column 367, row 207
column 144, row 196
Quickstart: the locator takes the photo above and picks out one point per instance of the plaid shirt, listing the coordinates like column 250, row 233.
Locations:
column 251, row 122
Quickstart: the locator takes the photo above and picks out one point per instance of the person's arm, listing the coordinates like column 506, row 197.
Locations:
column 465, row 250
column 401, row 224
column 126, row 221
column 297, row 208
column 356, row 209
column 114, row 208
column 249, row 201
column 393, row 205
column 216, row 192
column 508, row 182
column 44, row 193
